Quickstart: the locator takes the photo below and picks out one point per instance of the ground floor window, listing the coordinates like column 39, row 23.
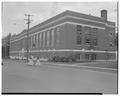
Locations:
column 93, row 56
column 90, row 56
column 78, row 56
column 87, row 56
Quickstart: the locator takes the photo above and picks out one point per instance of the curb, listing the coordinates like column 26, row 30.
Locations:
column 111, row 70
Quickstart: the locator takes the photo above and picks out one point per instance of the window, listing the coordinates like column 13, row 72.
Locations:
column 79, row 38
column 79, row 35
column 36, row 40
column 52, row 43
column 111, row 44
column 111, row 34
column 94, row 31
column 58, row 35
column 43, row 39
column 50, row 37
column 87, row 56
column 79, row 28
column 33, row 41
column 87, row 40
column 78, row 56
column 94, row 41
column 48, row 34
column 93, row 56
column 87, row 29
column 40, row 40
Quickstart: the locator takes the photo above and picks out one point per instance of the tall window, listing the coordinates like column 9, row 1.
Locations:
column 87, row 30
column 94, row 41
column 93, row 56
column 79, row 34
column 48, row 37
column 52, row 43
column 36, row 36
column 40, row 40
column 94, row 37
column 79, row 28
column 33, row 40
column 43, row 39
column 87, row 56
column 58, row 35
column 111, row 44
column 87, row 40
column 87, row 35
column 95, row 31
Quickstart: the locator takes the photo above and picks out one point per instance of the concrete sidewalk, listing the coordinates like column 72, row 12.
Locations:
column 84, row 66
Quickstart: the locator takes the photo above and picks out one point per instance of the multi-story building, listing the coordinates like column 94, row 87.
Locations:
column 82, row 36
column 6, row 46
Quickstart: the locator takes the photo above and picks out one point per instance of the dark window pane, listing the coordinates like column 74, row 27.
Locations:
column 79, row 28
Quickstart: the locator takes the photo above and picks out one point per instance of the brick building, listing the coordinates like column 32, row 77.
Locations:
column 82, row 36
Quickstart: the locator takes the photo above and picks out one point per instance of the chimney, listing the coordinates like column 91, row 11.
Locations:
column 104, row 14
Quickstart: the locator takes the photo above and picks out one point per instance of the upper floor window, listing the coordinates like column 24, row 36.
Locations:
column 48, row 36
column 40, row 39
column 110, row 33
column 44, row 39
column 79, row 34
column 111, row 44
column 88, row 39
column 52, row 35
column 79, row 41
column 94, row 31
column 79, row 28
column 36, row 39
column 33, row 41
column 58, row 35
column 95, row 41
column 87, row 29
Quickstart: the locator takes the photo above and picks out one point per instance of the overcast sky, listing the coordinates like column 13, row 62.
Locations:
column 13, row 12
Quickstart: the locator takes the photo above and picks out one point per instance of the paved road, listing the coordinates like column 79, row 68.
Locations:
column 18, row 77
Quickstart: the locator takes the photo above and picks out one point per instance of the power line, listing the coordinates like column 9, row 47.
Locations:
column 28, row 23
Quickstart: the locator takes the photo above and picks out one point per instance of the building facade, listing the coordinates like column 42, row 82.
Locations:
column 69, row 34
column 6, row 46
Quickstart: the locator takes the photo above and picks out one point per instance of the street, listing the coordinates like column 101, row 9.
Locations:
column 19, row 77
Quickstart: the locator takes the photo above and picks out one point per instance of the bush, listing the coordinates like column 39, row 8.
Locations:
column 62, row 59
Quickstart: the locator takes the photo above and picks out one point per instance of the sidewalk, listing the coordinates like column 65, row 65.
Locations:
column 94, row 66
column 83, row 66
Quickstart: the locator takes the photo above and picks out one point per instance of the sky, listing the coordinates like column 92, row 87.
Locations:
column 13, row 13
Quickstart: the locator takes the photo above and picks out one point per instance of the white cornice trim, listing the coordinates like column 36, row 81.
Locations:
column 69, row 17
column 62, row 50
column 56, row 26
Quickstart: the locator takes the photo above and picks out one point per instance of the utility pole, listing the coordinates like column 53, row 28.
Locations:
column 28, row 23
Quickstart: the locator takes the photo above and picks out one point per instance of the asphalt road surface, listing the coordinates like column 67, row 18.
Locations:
column 19, row 77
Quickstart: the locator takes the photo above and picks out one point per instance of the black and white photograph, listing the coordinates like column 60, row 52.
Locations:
column 59, row 47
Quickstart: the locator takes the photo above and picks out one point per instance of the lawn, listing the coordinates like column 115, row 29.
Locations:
column 103, row 64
